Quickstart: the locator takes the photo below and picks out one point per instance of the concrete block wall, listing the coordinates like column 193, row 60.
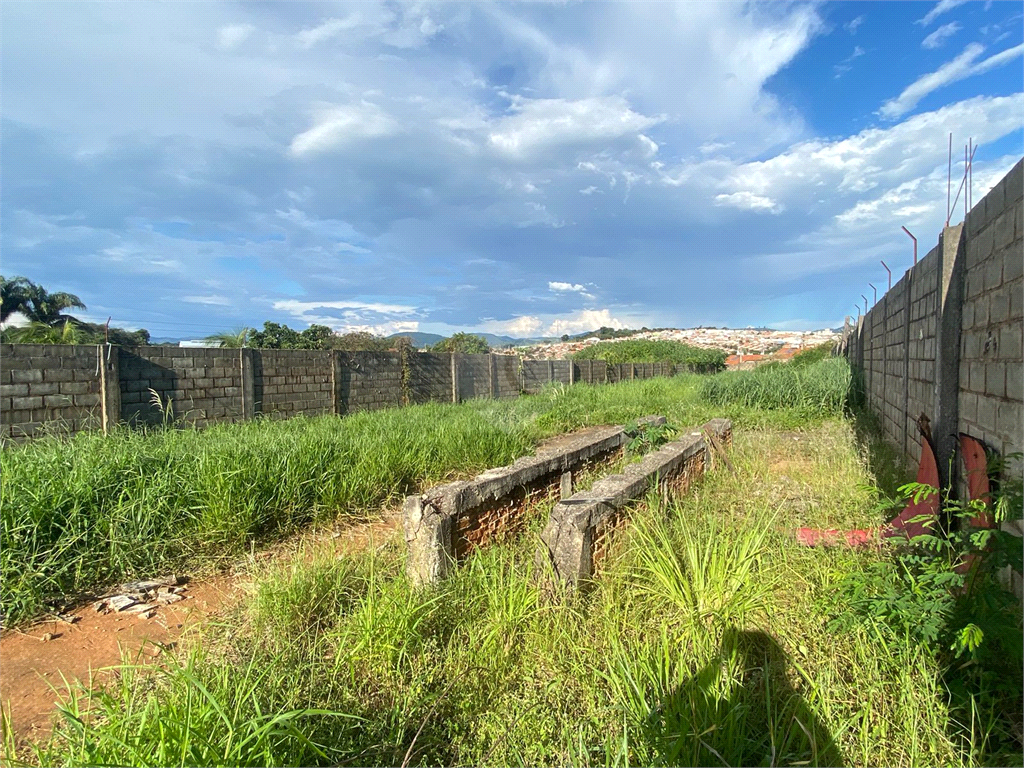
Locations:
column 429, row 377
column 201, row 386
column 960, row 363
column 506, row 369
column 475, row 376
column 991, row 360
column 290, row 382
column 65, row 386
column 368, row 381
column 45, row 388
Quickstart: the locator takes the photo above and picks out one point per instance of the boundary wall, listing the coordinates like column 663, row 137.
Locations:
column 943, row 348
column 64, row 389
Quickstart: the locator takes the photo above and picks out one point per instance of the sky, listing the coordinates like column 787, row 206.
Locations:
column 529, row 168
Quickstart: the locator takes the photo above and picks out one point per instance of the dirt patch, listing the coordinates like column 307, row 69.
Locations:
column 33, row 667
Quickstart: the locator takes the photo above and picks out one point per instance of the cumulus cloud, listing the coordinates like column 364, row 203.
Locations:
column 352, row 316
column 749, row 201
column 567, row 287
column 963, row 66
column 940, row 35
column 537, row 124
column 584, row 320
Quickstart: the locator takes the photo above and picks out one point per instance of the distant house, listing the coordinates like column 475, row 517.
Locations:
column 199, row 344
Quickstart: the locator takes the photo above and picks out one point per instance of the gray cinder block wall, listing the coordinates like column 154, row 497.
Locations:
column 946, row 341
column 66, row 389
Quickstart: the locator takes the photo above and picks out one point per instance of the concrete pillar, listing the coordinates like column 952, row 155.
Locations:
column 337, row 401
column 551, row 371
column 455, row 377
column 492, row 376
column 949, row 318
column 572, row 371
column 109, row 365
column 245, row 360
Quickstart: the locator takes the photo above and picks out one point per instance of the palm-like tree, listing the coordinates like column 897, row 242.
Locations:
column 41, row 333
column 20, row 294
column 231, row 339
column 41, row 306
column 13, row 296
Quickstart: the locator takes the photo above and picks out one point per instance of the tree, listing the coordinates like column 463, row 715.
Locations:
column 41, row 306
column 316, row 337
column 41, row 333
column 360, row 341
column 274, row 336
column 466, row 343
column 13, row 296
column 235, row 339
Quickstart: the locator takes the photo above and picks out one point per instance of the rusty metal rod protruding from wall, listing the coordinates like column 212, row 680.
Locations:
column 962, row 187
column 890, row 274
column 865, row 303
column 915, row 244
column 949, row 175
column 858, row 311
column 876, row 293
column 966, row 162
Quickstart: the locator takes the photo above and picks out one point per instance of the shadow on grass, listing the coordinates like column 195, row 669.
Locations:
column 761, row 720
column 885, row 461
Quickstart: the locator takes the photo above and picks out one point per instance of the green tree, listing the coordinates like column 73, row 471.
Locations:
column 41, row 306
column 360, row 341
column 316, row 337
column 41, row 333
column 13, row 296
column 274, row 336
column 466, row 343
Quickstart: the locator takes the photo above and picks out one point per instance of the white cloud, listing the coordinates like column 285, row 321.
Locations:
column 538, row 124
column 749, row 201
column 295, row 306
column 940, row 35
column 307, row 38
column 352, row 316
column 584, row 320
column 961, row 67
column 846, row 64
column 521, row 327
column 567, row 287
column 588, row 190
column 852, row 25
column 338, row 126
column 943, row 6
column 216, row 301
column 233, row 35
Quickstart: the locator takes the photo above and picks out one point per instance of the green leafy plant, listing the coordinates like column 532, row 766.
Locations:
column 645, row 436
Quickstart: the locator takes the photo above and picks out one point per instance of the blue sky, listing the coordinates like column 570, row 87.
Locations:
column 519, row 168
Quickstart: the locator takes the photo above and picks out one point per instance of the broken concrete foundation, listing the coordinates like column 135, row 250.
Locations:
column 445, row 524
column 580, row 528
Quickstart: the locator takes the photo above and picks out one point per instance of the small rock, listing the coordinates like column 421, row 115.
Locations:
column 99, row 606
column 120, row 602
column 47, row 637
column 140, row 608
column 168, row 599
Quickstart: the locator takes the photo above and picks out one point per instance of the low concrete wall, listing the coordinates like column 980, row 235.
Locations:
column 581, row 527
column 445, row 524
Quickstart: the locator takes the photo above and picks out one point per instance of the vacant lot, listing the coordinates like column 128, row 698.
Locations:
column 710, row 638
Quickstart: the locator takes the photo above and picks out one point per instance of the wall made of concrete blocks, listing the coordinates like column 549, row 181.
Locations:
column 368, row 381
column 580, row 528
column 198, row 386
column 962, row 366
column 446, row 523
column 63, row 388
column 429, row 377
column 293, row 382
column 48, row 389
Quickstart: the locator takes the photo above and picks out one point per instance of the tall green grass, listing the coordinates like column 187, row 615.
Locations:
column 79, row 514
column 820, row 388
column 82, row 513
column 695, row 359
column 339, row 662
